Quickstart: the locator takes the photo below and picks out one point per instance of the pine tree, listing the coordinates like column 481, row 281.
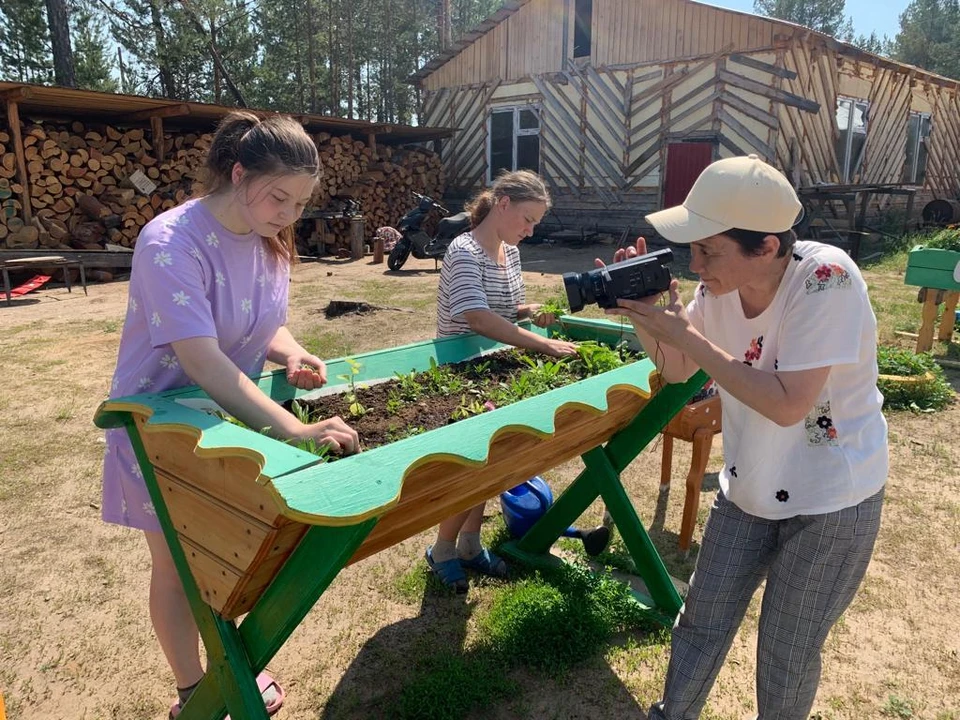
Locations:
column 24, row 42
column 929, row 36
column 94, row 69
column 826, row 16
column 58, row 20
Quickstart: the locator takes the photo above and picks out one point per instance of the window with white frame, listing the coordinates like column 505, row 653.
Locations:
column 513, row 140
column 918, row 136
column 852, row 116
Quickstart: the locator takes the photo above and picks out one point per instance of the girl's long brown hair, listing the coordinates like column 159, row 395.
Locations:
column 274, row 146
column 519, row 186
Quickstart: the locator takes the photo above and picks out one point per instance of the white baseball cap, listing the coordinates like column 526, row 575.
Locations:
column 740, row 192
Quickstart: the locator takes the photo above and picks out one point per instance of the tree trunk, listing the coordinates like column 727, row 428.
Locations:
column 166, row 77
column 312, row 57
column 444, row 28
column 59, row 20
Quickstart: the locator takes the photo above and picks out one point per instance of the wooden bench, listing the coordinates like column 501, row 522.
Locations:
column 257, row 526
column 43, row 261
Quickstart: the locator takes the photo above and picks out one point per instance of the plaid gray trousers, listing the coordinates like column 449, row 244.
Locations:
column 813, row 565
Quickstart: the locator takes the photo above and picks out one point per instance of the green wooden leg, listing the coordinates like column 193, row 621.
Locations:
column 601, row 478
column 649, row 565
column 236, row 655
column 571, row 504
column 319, row 557
column 304, row 577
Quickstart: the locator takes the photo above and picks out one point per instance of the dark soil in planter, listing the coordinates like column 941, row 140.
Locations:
column 387, row 417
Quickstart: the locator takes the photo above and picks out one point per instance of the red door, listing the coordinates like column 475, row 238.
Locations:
column 685, row 161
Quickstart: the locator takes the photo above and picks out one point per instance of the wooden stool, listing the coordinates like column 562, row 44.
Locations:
column 42, row 262
column 696, row 423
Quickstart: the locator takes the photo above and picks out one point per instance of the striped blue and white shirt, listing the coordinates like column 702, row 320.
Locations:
column 471, row 280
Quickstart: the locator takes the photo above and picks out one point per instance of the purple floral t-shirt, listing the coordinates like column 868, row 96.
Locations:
column 191, row 278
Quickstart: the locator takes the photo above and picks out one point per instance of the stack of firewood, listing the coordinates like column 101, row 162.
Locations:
column 80, row 187
column 83, row 193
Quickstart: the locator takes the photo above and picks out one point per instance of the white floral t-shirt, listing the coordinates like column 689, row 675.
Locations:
column 837, row 456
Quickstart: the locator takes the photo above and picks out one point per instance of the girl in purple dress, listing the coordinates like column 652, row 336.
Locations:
column 208, row 306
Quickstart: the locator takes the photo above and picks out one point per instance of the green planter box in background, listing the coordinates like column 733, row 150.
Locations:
column 932, row 268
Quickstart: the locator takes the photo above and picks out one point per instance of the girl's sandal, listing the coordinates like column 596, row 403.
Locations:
column 449, row 572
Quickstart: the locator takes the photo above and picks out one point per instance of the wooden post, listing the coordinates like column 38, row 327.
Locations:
column 356, row 238
column 930, row 298
column 377, row 250
column 16, row 130
column 156, row 126
column 949, row 317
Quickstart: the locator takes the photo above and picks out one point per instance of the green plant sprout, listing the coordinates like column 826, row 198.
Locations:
column 355, row 408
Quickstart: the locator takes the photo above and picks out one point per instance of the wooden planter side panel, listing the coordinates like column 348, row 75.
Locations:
column 441, row 488
column 230, row 527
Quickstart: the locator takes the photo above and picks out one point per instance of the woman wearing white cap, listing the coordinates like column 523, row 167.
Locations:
column 786, row 330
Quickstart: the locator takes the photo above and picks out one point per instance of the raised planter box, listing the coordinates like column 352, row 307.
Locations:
column 933, row 268
column 258, row 526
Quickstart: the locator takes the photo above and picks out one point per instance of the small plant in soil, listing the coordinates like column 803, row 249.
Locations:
column 415, row 402
column 595, row 358
column 468, row 408
column 356, row 409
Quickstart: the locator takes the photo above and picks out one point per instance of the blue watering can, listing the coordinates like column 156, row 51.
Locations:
column 524, row 504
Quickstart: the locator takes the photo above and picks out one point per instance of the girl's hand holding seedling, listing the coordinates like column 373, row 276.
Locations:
column 544, row 319
column 306, row 372
column 333, row 433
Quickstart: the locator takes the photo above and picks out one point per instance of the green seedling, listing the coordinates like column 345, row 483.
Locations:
column 355, row 408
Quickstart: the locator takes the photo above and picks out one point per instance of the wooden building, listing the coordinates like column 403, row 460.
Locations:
column 620, row 103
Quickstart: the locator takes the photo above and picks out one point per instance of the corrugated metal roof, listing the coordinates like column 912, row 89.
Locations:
column 512, row 6
column 73, row 104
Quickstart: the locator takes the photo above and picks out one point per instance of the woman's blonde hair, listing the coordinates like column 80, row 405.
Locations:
column 274, row 146
column 519, row 186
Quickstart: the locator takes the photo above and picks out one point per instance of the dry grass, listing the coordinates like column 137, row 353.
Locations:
column 75, row 638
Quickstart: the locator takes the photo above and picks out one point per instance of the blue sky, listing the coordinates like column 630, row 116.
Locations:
column 883, row 16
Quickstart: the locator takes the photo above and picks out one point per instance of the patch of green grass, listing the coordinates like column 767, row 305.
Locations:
column 326, row 345
column 898, row 707
column 570, row 611
column 64, row 414
column 412, row 584
column 932, row 394
column 449, row 685
column 540, row 623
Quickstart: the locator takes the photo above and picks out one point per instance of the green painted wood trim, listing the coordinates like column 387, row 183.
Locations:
column 215, row 437
column 649, row 565
column 932, row 268
column 321, row 554
column 366, row 485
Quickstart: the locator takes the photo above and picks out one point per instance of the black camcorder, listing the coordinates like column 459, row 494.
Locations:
column 630, row 279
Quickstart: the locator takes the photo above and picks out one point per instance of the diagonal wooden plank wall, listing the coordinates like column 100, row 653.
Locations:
column 943, row 165
column 605, row 132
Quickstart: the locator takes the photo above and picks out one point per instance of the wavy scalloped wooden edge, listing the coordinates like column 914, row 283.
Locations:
column 207, row 443
column 354, row 469
column 354, row 472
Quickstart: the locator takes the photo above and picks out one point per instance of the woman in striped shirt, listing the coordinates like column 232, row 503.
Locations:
column 481, row 290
